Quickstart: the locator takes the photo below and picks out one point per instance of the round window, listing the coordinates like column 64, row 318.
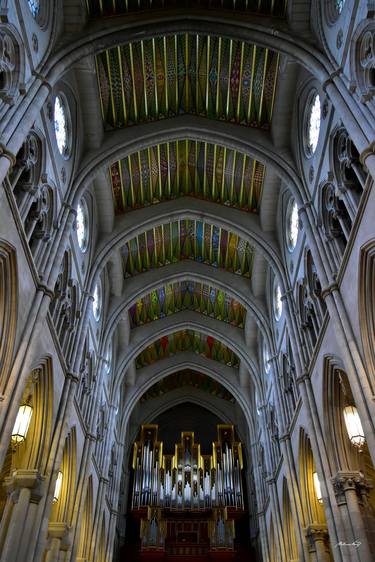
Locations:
column 62, row 126
column 34, row 6
column 312, row 124
column 82, row 226
column 97, row 302
column 292, row 225
column 277, row 302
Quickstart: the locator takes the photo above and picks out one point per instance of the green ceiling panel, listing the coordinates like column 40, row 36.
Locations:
column 187, row 340
column 187, row 295
column 173, row 75
column 186, row 167
column 187, row 239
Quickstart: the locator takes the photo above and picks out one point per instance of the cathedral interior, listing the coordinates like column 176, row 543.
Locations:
column 187, row 280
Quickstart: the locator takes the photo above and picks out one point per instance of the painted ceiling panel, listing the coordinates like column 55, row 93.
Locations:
column 187, row 296
column 97, row 8
column 187, row 340
column 188, row 378
column 173, row 75
column 186, row 167
column 187, row 239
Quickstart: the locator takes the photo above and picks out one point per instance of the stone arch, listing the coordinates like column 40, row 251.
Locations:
column 62, row 510
column 101, row 542
column 235, row 286
column 289, row 530
column 185, row 321
column 311, row 506
column 362, row 60
column 8, row 309
column 12, row 65
column 31, row 454
column 84, row 542
column 367, row 307
column 337, row 394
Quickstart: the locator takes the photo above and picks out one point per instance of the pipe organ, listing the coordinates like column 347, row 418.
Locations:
column 187, row 490
column 187, row 479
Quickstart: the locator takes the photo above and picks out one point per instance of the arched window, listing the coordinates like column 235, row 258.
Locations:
column 97, row 303
column 266, row 357
column 34, row 6
column 292, row 225
column 62, row 124
column 312, row 124
column 82, row 226
column 277, row 302
column 108, row 359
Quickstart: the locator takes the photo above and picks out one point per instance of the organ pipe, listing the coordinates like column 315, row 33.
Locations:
column 187, row 479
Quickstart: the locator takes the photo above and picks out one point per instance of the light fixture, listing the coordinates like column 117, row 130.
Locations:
column 22, row 423
column 354, row 426
column 318, row 489
column 58, row 485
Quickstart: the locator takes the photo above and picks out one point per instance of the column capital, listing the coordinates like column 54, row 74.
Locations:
column 346, row 481
column 316, row 533
column 24, row 478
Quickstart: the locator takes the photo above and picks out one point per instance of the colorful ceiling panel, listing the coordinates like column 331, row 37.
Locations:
column 173, row 75
column 188, row 378
column 187, row 295
column 187, row 340
column 186, row 167
column 97, row 8
column 184, row 240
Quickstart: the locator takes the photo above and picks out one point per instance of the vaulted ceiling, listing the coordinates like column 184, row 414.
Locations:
column 227, row 82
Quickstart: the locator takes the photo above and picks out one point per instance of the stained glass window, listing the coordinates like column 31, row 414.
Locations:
column 339, row 6
column 292, row 225
column 82, row 223
column 61, row 126
column 266, row 358
column 313, row 124
column 97, row 302
column 34, row 6
column 108, row 359
column 277, row 302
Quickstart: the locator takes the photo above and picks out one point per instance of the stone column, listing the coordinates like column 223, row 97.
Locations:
column 318, row 542
column 25, row 490
column 351, row 491
column 59, row 542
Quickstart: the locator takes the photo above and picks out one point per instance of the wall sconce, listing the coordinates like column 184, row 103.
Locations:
column 354, row 426
column 22, row 423
column 318, row 489
column 58, row 486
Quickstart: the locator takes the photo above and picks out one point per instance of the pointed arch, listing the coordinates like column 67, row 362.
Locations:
column 86, row 524
column 8, row 309
column 62, row 510
column 288, row 527
column 313, row 508
column 367, row 307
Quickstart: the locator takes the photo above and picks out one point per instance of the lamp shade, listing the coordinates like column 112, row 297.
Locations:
column 58, row 486
column 22, row 423
column 354, row 426
column 318, row 489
